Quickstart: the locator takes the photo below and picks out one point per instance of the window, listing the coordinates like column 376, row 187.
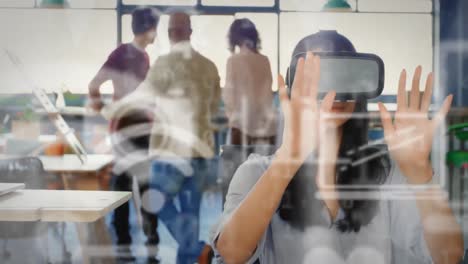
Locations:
column 209, row 37
column 62, row 48
column 92, row 3
column 402, row 6
column 301, row 5
column 161, row 2
column 262, row 3
column 87, row 3
column 17, row 3
column 401, row 40
column 395, row 6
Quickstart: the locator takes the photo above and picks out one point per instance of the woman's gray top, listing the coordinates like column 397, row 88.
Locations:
column 394, row 236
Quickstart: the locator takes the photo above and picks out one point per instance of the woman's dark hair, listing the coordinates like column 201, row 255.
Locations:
column 243, row 32
column 299, row 201
column 144, row 19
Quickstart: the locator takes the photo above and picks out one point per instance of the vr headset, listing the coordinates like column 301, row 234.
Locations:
column 352, row 75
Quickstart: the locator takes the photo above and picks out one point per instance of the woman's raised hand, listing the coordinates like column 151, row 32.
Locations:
column 409, row 137
column 302, row 111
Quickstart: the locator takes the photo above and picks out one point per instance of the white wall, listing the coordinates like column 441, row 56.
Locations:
column 67, row 47
column 57, row 47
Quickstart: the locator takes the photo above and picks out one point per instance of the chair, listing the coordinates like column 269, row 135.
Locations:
column 459, row 158
column 30, row 172
column 464, row 260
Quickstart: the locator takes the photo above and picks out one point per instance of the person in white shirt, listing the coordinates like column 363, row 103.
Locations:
column 247, row 95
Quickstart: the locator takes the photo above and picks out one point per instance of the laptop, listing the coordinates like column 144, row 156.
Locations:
column 51, row 110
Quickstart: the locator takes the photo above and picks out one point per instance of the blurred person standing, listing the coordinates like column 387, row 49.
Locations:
column 127, row 66
column 247, row 94
column 186, row 85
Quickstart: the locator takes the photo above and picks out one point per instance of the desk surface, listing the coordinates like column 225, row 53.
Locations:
column 59, row 206
column 10, row 187
column 71, row 163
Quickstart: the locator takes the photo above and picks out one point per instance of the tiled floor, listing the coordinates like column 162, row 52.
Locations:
column 35, row 250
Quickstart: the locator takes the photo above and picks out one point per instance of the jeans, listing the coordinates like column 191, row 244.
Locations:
column 123, row 182
column 120, row 219
column 185, row 180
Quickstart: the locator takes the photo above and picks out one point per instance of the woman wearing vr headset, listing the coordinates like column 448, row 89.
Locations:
column 272, row 213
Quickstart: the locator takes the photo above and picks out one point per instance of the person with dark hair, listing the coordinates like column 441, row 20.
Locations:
column 272, row 213
column 127, row 67
column 247, row 94
column 243, row 33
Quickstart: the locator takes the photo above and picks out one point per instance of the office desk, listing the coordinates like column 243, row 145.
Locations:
column 71, row 163
column 78, row 176
column 80, row 207
column 6, row 188
column 59, row 206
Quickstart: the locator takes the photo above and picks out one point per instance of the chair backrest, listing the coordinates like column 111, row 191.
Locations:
column 27, row 170
column 130, row 141
column 22, row 147
column 465, row 258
